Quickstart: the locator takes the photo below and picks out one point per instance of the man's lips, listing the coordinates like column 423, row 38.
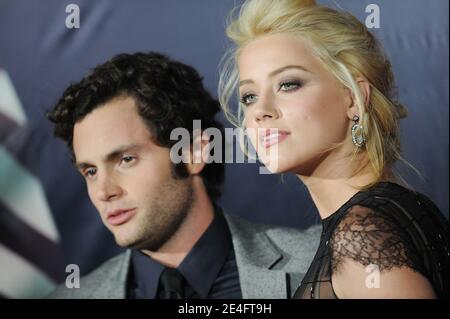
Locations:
column 272, row 136
column 120, row 216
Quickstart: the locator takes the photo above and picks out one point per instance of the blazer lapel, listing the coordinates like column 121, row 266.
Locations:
column 114, row 282
column 260, row 263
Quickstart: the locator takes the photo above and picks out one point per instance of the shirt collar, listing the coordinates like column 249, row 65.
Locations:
column 200, row 267
column 205, row 260
column 146, row 272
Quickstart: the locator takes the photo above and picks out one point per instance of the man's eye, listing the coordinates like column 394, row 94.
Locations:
column 248, row 99
column 289, row 86
column 127, row 159
column 90, row 172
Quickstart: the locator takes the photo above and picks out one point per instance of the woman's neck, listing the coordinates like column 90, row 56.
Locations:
column 330, row 194
column 332, row 185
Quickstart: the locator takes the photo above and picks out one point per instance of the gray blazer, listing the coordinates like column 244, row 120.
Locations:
column 271, row 261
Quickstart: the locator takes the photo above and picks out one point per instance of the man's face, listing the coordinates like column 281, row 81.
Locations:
column 129, row 178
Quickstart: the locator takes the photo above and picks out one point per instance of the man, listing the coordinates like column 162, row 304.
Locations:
column 117, row 123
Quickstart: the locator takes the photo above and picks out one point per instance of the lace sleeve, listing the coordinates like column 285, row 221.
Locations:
column 368, row 237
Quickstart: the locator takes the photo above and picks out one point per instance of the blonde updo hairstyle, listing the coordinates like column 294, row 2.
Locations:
column 346, row 48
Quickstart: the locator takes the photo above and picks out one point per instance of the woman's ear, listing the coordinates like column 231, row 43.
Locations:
column 365, row 89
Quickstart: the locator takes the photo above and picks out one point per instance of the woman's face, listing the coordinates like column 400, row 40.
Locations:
column 285, row 87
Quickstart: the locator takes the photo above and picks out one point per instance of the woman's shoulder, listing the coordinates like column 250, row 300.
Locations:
column 386, row 217
column 389, row 192
column 368, row 247
column 391, row 229
column 395, row 203
column 370, row 237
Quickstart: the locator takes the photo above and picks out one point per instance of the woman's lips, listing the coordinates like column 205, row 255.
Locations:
column 121, row 216
column 273, row 136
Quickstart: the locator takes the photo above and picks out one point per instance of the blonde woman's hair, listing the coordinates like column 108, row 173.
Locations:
column 346, row 48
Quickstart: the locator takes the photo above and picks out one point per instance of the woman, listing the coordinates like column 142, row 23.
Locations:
column 317, row 99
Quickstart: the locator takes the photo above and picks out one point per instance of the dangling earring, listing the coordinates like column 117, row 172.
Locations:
column 358, row 137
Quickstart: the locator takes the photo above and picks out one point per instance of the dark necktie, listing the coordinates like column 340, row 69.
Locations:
column 171, row 284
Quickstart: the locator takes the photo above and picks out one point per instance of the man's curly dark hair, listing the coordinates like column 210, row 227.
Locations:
column 168, row 94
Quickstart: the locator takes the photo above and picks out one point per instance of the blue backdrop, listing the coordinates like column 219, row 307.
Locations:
column 46, row 219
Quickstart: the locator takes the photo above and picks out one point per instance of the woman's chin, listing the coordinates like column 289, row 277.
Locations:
column 273, row 167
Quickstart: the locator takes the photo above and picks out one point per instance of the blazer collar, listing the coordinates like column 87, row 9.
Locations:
column 114, row 284
column 260, row 262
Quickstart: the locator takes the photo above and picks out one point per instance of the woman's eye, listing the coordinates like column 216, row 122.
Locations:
column 289, row 86
column 248, row 99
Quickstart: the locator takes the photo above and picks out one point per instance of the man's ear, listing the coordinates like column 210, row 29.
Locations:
column 200, row 152
column 365, row 89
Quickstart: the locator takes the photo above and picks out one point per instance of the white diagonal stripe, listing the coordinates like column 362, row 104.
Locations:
column 22, row 193
column 9, row 101
column 20, row 279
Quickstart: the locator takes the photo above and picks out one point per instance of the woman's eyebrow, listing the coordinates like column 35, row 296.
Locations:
column 277, row 71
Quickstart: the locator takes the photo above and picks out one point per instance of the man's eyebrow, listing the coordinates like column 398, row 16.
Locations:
column 118, row 151
column 277, row 71
column 81, row 166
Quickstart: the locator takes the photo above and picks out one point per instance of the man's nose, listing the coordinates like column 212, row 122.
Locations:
column 108, row 189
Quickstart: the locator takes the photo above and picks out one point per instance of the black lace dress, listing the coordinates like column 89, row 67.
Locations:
column 387, row 226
